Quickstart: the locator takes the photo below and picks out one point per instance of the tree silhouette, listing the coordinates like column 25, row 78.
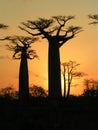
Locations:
column 8, row 92
column 91, row 87
column 94, row 17
column 54, row 31
column 21, row 45
column 38, row 91
column 69, row 72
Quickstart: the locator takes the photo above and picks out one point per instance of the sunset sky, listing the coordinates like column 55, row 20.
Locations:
column 83, row 48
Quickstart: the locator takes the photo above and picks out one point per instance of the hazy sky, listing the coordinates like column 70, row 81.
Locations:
column 83, row 48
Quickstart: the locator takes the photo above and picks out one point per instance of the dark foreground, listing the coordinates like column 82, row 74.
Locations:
column 40, row 114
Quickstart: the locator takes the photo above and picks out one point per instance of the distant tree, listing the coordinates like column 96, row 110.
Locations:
column 38, row 91
column 57, row 34
column 94, row 19
column 21, row 45
column 8, row 92
column 91, row 87
column 69, row 73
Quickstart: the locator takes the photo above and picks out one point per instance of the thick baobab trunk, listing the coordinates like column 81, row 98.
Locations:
column 54, row 73
column 23, row 79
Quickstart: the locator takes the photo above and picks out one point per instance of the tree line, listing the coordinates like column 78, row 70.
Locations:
column 57, row 33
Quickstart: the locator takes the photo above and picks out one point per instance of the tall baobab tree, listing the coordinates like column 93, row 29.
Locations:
column 57, row 34
column 21, row 45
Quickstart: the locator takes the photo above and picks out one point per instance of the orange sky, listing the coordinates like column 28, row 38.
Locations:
column 83, row 48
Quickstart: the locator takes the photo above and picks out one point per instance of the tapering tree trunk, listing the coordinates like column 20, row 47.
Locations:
column 54, row 72
column 68, row 92
column 23, row 79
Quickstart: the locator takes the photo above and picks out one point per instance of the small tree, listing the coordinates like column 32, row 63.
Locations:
column 38, row 91
column 8, row 92
column 91, row 87
column 57, row 34
column 21, row 45
column 69, row 72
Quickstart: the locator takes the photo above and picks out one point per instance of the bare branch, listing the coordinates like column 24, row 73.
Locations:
column 78, row 74
column 70, row 33
column 43, row 27
column 61, row 21
column 38, row 26
column 74, row 29
column 41, row 23
column 31, row 54
column 37, row 34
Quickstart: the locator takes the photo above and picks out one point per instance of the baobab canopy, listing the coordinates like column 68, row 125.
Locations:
column 20, row 43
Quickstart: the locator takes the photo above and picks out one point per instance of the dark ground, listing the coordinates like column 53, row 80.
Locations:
column 40, row 114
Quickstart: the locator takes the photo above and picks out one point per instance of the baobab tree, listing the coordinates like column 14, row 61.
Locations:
column 21, row 45
column 69, row 73
column 57, row 34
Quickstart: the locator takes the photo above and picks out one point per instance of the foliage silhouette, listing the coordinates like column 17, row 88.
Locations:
column 37, row 91
column 54, row 31
column 21, row 45
column 8, row 92
column 91, row 88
